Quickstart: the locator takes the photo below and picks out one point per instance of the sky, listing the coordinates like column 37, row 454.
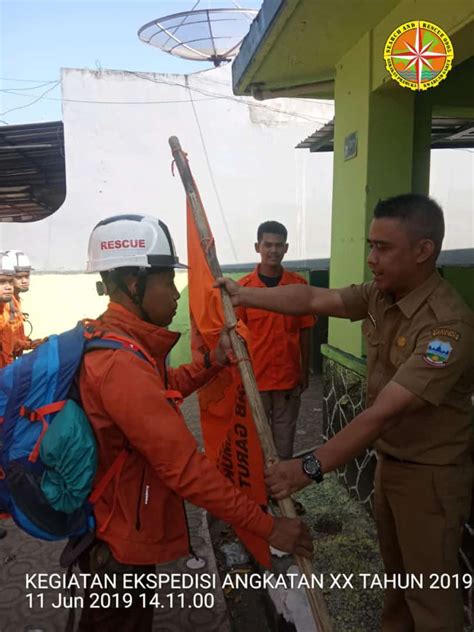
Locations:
column 39, row 38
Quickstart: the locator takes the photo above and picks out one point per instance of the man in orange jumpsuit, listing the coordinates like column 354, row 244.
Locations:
column 279, row 345
column 7, row 275
column 21, row 342
column 131, row 404
column 7, row 272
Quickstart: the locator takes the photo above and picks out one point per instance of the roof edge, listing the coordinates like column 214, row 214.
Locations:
column 263, row 31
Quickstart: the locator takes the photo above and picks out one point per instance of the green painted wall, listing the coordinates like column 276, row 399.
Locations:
column 181, row 353
column 307, row 39
column 392, row 123
column 388, row 148
column 421, row 144
column 463, row 280
column 349, row 221
column 457, row 89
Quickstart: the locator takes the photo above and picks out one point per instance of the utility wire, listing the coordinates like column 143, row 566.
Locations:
column 41, row 85
column 27, row 80
column 21, row 107
column 228, row 97
column 110, row 102
column 219, row 202
column 205, row 78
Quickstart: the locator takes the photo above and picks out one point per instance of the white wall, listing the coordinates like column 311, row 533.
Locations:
column 452, row 186
column 56, row 302
column 118, row 161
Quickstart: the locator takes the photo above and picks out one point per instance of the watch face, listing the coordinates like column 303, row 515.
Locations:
column 311, row 467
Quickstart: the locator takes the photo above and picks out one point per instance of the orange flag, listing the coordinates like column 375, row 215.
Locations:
column 230, row 437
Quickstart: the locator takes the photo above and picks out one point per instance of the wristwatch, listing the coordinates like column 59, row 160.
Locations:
column 312, row 468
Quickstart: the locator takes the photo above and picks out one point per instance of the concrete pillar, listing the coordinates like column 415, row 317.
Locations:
column 422, row 144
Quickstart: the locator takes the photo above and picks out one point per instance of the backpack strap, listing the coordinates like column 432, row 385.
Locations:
column 113, row 471
column 114, row 341
column 110, row 340
column 39, row 414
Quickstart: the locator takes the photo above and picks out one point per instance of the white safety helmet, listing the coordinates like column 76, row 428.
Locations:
column 140, row 241
column 7, row 264
column 22, row 261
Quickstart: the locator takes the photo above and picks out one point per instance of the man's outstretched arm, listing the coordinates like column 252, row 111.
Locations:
column 286, row 477
column 296, row 300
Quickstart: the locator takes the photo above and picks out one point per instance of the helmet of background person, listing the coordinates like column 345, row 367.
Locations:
column 7, row 264
column 137, row 241
column 21, row 259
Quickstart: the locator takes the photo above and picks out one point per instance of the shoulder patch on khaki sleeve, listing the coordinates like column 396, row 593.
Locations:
column 437, row 353
column 443, row 331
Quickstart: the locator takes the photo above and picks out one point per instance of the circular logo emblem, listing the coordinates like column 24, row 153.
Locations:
column 418, row 55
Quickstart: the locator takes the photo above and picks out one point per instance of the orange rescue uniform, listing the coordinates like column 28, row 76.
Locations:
column 141, row 515
column 275, row 338
column 6, row 336
column 21, row 342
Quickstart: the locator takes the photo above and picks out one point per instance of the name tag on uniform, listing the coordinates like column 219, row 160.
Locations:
column 444, row 331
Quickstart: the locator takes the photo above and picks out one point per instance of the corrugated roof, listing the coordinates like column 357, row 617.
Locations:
column 32, row 171
column 446, row 133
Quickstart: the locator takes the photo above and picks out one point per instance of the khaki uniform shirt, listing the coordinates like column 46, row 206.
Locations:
column 425, row 343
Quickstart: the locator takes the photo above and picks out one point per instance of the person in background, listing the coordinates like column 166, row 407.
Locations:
column 17, row 319
column 7, row 280
column 279, row 344
column 7, row 273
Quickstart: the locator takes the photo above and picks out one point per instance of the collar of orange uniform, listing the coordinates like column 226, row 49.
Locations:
column 156, row 340
column 409, row 304
column 286, row 277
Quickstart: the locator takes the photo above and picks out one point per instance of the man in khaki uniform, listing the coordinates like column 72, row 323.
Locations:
column 420, row 374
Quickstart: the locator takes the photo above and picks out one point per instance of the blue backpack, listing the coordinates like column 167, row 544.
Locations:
column 48, row 455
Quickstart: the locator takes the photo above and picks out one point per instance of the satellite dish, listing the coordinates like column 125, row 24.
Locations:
column 212, row 35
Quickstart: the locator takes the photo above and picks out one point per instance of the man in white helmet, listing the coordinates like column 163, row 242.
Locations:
column 17, row 318
column 130, row 403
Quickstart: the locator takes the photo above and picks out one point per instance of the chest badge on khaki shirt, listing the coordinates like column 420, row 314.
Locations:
column 401, row 341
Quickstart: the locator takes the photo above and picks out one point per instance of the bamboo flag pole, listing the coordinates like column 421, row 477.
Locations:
column 315, row 598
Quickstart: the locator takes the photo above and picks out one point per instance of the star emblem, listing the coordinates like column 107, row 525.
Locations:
column 418, row 56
